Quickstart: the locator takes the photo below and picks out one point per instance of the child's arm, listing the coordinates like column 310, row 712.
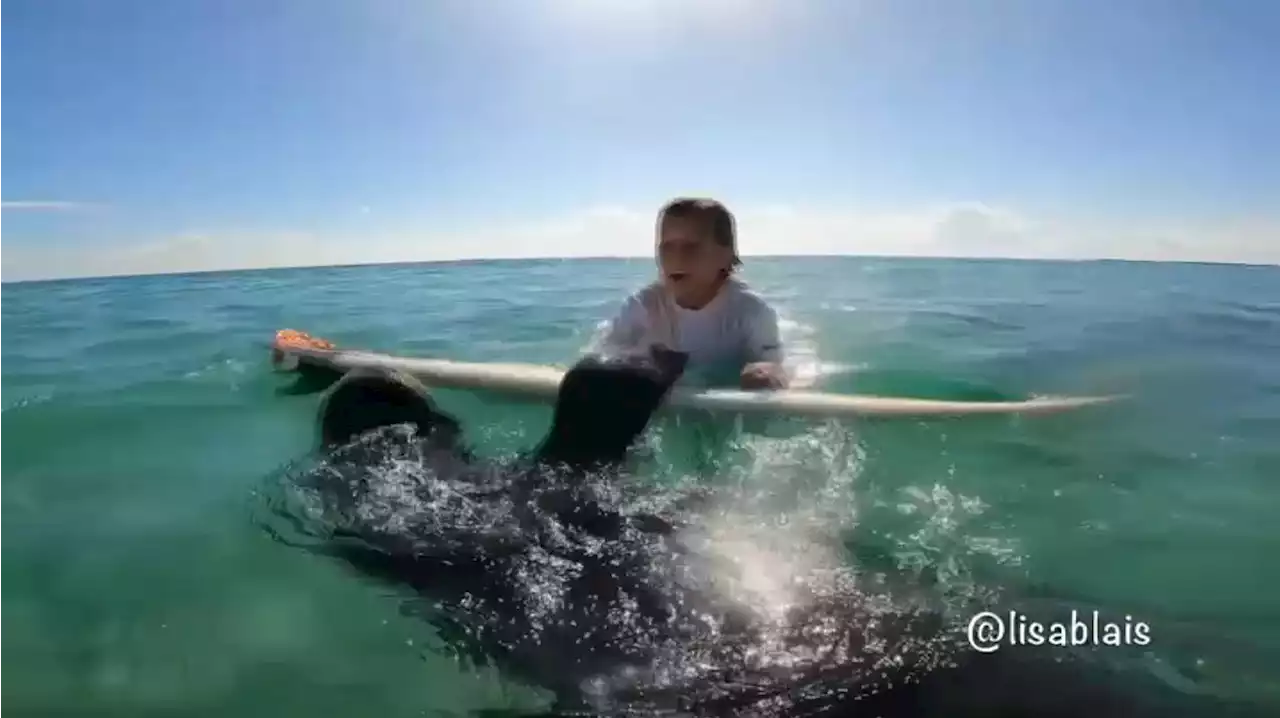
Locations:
column 764, row 369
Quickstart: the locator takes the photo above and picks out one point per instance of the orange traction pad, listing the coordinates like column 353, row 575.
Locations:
column 293, row 339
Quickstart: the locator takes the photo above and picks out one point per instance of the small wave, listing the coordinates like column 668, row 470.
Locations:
column 802, row 361
column 27, row 401
column 219, row 369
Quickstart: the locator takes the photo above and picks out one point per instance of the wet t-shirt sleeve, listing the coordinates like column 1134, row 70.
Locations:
column 625, row 332
column 764, row 340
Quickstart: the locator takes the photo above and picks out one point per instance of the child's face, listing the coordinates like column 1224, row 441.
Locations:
column 691, row 262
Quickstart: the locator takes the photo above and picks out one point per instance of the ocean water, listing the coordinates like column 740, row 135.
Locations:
column 141, row 418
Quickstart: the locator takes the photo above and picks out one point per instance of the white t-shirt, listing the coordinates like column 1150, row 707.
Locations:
column 736, row 328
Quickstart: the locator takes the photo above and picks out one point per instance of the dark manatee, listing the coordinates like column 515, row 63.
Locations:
column 568, row 574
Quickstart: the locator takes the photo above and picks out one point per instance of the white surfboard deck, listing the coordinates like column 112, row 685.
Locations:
column 542, row 382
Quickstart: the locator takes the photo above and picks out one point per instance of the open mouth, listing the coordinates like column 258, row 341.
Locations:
column 677, row 276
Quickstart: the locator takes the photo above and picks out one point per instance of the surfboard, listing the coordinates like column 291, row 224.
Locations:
column 293, row 351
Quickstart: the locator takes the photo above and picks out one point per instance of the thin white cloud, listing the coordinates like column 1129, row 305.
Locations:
column 960, row 229
column 34, row 205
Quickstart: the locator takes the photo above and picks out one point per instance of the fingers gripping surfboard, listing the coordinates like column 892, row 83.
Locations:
column 295, row 350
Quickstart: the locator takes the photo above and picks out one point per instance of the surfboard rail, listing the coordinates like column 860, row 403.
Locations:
column 542, row 382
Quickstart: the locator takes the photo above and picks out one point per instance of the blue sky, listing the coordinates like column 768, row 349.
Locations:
column 162, row 136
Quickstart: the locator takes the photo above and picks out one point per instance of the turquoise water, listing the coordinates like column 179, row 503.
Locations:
column 141, row 416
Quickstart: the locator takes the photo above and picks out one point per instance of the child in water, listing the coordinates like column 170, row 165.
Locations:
column 697, row 306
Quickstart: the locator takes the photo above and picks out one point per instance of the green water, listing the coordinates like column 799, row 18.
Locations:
column 140, row 416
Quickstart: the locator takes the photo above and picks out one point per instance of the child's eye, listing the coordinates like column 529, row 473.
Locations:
column 687, row 249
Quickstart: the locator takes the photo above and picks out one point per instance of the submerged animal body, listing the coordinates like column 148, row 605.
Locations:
column 585, row 589
column 569, row 575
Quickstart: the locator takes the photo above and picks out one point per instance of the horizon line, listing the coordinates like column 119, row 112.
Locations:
column 485, row 260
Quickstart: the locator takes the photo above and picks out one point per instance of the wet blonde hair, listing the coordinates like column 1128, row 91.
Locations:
column 711, row 214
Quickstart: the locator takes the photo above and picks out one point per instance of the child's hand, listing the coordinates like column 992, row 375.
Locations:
column 762, row 375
